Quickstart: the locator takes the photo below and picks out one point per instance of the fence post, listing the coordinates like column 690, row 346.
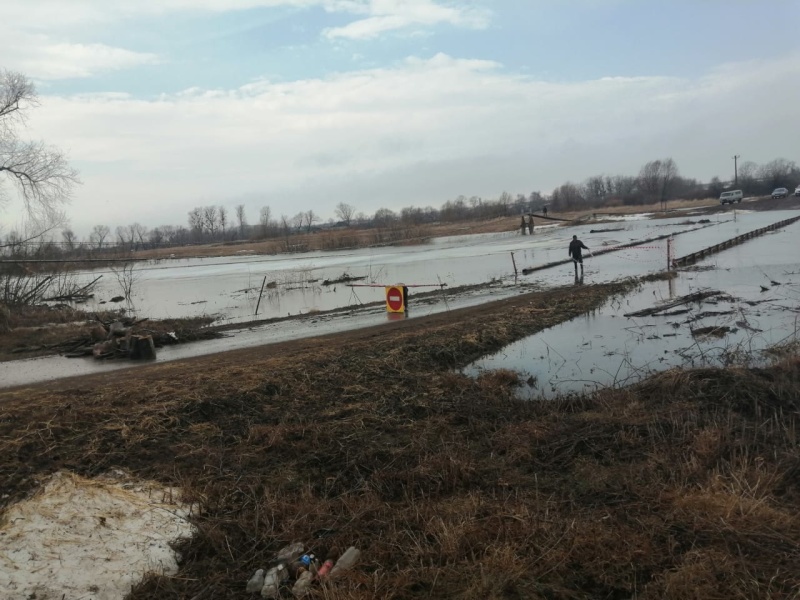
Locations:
column 669, row 253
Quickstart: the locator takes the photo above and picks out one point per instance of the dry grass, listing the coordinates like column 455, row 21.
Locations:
column 685, row 486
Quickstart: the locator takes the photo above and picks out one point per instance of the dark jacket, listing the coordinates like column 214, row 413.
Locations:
column 575, row 248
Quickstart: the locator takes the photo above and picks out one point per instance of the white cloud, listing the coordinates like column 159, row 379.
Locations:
column 418, row 133
column 50, row 39
column 41, row 57
column 392, row 15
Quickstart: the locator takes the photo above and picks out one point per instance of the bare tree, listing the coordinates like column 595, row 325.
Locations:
column 748, row 172
column 125, row 236
column 345, row 212
column 384, row 217
column 241, row 219
column 286, row 228
column 779, row 173
column 223, row 219
column 657, row 178
column 210, row 219
column 69, row 238
column 566, row 196
column 127, row 276
column 595, row 190
column 298, row 219
column 196, row 220
column 622, row 187
column 169, row 233
column 98, row 235
column 715, row 187
column 264, row 218
column 309, row 218
column 156, row 237
column 41, row 174
column 137, row 234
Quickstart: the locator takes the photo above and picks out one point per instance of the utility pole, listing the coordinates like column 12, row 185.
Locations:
column 736, row 170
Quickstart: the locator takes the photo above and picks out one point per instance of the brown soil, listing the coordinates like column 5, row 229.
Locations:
column 683, row 487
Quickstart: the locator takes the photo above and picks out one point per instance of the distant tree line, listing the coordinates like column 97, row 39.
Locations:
column 658, row 181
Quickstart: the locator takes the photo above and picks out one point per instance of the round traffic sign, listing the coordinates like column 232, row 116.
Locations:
column 394, row 298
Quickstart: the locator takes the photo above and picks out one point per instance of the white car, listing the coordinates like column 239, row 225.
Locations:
column 731, row 197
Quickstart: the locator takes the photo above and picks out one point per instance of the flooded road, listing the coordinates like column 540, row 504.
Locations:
column 228, row 288
column 758, row 307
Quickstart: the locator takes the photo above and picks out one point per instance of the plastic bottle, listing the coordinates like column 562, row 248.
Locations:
column 346, row 561
column 309, row 561
column 326, row 567
column 290, row 552
column 303, row 583
column 256, row 582
column 272, row 581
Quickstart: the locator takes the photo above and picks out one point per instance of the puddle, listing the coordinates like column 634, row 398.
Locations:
column 758, row 307
column 88, row 538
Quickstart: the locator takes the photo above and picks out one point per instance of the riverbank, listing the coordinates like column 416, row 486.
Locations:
column 44, row 330
column 684, row 486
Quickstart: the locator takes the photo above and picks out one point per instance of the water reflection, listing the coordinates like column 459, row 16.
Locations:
column 758, row 307
column 228, row 288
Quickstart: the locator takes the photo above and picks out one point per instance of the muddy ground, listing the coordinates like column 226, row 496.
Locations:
column 685, row 486
column 45, row 330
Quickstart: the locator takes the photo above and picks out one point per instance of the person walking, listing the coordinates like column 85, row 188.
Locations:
column 544, row 210
column 575, row 248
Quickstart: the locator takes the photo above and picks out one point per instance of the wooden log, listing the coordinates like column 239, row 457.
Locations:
column 695, row 297
column 104, row 349
column 142, row 347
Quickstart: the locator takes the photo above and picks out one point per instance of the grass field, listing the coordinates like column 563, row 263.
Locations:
column 685, row 486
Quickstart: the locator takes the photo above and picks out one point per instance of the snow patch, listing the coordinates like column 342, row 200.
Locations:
column 91, row 539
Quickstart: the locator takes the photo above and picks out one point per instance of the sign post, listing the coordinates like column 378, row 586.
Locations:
column 396, row 298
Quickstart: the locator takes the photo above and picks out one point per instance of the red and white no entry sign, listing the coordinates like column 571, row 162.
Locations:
column 395, row 299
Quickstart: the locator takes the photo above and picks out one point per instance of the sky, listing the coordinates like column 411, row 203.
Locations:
column 165, row 105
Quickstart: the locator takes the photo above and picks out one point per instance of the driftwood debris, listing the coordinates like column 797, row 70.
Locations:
column 113, row 340
column 713, row 331
column 345, row 278
column 81, row 294
column 688, row 299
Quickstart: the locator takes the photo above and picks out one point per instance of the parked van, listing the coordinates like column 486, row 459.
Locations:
column 731, row 197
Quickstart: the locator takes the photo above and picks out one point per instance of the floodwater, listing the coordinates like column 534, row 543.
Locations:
column 228, row 287
column 759, row 308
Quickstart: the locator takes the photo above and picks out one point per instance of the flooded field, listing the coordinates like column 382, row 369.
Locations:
column 228, row 287
column 757, row 307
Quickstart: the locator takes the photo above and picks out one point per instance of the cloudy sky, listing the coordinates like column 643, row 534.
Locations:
column 164, row 105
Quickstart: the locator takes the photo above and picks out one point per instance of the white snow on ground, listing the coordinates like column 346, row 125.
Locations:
column 88, row 539
column 633, row 217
